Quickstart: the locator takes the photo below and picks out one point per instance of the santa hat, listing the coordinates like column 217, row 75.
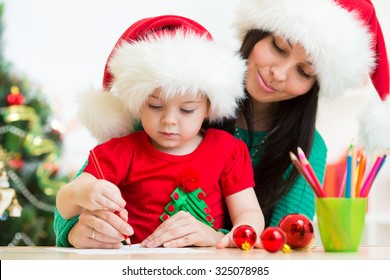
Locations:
column 343, row 39
column 169, row 52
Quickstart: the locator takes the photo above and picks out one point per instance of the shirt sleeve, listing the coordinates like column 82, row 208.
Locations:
column 238, row 171
column 63, row 226
column 300, row 199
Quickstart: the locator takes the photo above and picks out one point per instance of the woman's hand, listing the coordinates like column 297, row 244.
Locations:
column 100, row 229
column 182, row 230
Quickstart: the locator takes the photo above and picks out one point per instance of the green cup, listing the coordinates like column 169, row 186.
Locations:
column 341, row 223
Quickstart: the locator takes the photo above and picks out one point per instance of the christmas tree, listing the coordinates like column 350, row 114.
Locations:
column 30, row 148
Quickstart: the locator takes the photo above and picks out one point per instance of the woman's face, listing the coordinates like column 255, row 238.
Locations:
column 278, row 70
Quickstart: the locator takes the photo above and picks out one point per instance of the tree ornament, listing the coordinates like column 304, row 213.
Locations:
column 298, row 229
column 16, row 162
column 4, row 180
column 15, row 209
column 273, row 239
column 15, row 97
column 244, row 237
column 6, row 196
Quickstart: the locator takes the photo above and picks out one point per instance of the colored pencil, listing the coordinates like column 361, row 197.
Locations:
column 317, row 189
column 97, row 165
column 361, row 171
column 371, row 176
column 348, row 183
column 353, row 170
column 101, row 176
column 342, row 185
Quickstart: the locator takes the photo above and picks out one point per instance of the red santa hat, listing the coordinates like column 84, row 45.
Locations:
column 170, row 52
column 345, row 42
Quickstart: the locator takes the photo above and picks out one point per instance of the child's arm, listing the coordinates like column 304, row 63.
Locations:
column 244, row 209
column 87, row 192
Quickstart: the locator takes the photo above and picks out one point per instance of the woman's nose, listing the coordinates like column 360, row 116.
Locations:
column 279, row 71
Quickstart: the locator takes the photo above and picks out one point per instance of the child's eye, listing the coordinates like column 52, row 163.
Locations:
column 187, row 111
column 155, row 107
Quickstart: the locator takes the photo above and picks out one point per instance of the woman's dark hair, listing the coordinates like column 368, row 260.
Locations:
column 293, row 125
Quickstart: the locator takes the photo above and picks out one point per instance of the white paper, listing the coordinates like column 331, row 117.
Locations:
column 133, row 249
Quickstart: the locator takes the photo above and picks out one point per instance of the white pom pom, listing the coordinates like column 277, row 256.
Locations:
column 375, row 126
column 104, row 115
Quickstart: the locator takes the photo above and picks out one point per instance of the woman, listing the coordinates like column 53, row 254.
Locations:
column 296, row 51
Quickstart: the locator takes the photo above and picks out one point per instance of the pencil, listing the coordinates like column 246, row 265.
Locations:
column 371, row 176
column 353, row 171
column 361, row 171
column 317, row 191
column 101, row 176
column 348, row 184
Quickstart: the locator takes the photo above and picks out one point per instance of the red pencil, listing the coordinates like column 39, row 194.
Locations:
column 316, row 188
column 101, row 176
column 310, row 172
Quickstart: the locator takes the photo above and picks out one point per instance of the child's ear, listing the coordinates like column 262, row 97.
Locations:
column 208, row 113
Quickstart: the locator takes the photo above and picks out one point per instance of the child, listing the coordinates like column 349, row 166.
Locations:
column 168, row 73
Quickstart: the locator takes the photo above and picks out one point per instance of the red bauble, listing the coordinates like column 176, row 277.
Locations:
column 273, row 239
column 244, row 237
column 299, row 230
column 15, row 97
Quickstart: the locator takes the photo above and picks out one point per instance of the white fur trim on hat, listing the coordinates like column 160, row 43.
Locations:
column 103, row 114
column 178, row 64
column 338, row 43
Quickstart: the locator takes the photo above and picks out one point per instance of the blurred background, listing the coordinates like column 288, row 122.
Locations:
column 50, row 50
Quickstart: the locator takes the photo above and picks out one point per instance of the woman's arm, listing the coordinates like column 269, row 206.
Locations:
column 62, row 226
column 74, row 232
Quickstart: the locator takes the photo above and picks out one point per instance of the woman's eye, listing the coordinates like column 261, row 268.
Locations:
column 277, row 48
column 303, row 73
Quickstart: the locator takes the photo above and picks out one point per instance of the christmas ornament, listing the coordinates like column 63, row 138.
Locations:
column 15, row 97
column 15, row 209
column 6, row 196
column 4, row 182
column 273, row 239
column 298, row 229
column 244, row 237
column 188, row 196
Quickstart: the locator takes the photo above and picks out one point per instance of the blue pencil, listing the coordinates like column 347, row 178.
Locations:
column 348, row 184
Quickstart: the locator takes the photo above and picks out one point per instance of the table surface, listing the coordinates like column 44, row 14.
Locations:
column 313, row 253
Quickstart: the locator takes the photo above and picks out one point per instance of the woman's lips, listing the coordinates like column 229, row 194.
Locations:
column 263, row 85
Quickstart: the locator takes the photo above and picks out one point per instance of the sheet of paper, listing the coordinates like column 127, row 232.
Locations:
column 133, row 249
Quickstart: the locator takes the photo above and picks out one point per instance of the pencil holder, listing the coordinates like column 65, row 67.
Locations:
column 341, row 223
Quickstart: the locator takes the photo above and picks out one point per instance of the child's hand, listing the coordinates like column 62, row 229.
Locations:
column 99, row 195
column 226, row 241
column 181, row 230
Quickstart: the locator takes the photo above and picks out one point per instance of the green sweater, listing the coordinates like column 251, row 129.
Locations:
column 300, row 199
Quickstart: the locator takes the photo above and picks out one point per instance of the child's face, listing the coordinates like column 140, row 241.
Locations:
column 173, row 124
